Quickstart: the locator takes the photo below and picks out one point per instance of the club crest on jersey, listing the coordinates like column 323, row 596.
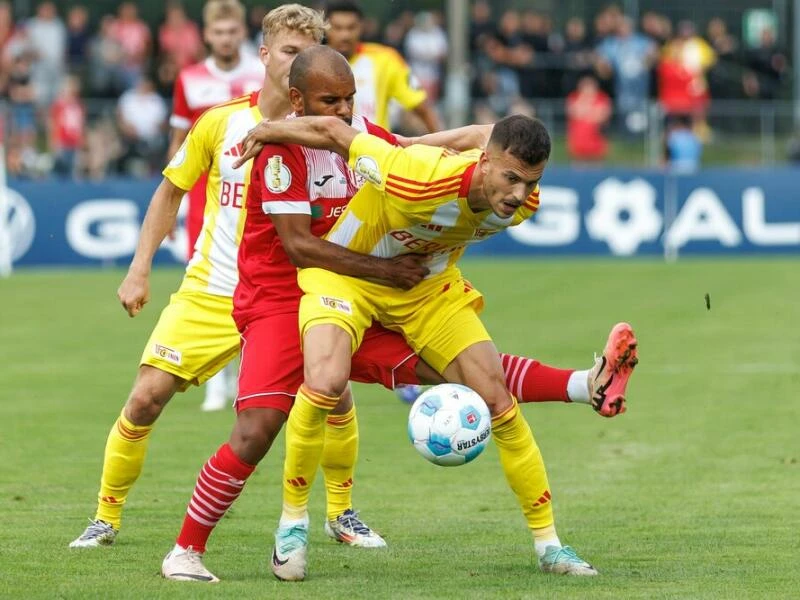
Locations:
column 167, row 353
column 367, row 167
column 276, row 175
column 336, row 304
column 179, row 157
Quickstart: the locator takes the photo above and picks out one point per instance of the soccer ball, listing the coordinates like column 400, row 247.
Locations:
column 449, row 424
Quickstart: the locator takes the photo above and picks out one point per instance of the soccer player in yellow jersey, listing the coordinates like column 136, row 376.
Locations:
column 421, row 200
column 195, row 335
column 381, row 73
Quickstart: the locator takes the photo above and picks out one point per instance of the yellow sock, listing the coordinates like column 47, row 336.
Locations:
column 524, row 468
column 305, row 436
column 339, row 455
column 122, row 464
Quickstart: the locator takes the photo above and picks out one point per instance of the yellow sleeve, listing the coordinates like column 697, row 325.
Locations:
column 195, row 155
column 380, row 162
column 403, row 85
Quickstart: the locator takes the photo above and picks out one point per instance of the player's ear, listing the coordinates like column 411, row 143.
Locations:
column 263, row 54
column 296, row 100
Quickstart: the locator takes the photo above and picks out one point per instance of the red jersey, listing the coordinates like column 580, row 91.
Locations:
column 289, row 179
column 203, row 85
column 69, row 119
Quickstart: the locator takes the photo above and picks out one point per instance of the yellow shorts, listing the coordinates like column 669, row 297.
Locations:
column 194, row 338
column 434, row 317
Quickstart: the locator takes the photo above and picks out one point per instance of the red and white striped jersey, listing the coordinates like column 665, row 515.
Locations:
column 289, row 179
column 203, row 85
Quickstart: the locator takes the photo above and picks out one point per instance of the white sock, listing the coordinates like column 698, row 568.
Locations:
column 540, row 545
column 578, row 387
column 287, row 522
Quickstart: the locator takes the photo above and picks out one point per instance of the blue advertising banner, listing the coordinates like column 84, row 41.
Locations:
column 602, row 212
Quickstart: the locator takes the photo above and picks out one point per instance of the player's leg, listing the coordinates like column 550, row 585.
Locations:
column 125, row 450
column 271, row 370
column 334, row 313
column 193, row 338
column 465, row 354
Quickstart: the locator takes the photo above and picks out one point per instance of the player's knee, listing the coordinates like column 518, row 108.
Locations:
column 146, row 401
column 254, row 432
column 326, row 379
column 496, row 395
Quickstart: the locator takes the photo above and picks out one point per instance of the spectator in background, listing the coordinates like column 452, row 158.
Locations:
column 142, row 119
column 627, row 57
column 683, row 147
column 426, row 50
column 696, row 57
column 767, row 65
column 133, row 35
column 48, row 37
column 20, row 94
column 588, row 112
column 78, row 38
column 481, row 25
column 179, row 37
column 534, row 74
column 724, row 76
column 578, row 54
column 106, row 76
column 66, row 126
column 6, row 25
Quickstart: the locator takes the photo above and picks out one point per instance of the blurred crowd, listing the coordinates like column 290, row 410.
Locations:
column 90, row 99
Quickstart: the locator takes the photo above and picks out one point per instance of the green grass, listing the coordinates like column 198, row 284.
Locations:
column 691, row 494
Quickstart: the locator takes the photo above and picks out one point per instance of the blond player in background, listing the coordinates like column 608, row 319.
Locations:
column 226, row 73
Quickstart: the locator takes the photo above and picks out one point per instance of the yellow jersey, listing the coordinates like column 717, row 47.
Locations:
column 416, row 201
column 382, row 75
column 213, row 145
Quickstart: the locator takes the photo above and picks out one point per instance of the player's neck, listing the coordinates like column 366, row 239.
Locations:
column 476, row 199
column 273, row 105
column 226, row 64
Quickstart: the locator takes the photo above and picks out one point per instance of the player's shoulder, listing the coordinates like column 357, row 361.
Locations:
column 380, row 52
column 193, row 71
column 221, row 112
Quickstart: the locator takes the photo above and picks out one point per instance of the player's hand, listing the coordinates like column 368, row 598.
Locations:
column 134, row 293
column 407, row 270
column 253, row 143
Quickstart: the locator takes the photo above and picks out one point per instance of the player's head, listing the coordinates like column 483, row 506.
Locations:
column 223, row 28
column 346, row 20
column 513, row 163
column 321, row 83
column 287, row 30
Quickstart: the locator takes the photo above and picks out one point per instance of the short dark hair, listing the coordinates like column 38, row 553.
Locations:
column 324, row 57
column 343, row 6
column 524, row 137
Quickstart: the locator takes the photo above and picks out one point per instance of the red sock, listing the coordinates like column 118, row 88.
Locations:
column 219, row 484
column 531, row 381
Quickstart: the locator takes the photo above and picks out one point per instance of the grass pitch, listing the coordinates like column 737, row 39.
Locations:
column 691, row 494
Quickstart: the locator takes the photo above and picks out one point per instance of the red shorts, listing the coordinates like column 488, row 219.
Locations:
column 194, row 216
column 271, row 369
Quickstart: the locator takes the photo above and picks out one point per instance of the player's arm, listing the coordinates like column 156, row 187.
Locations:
column 460, row 138
column 326, row 133
column 306, row 250
column 191, row 160
column 134, row 292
